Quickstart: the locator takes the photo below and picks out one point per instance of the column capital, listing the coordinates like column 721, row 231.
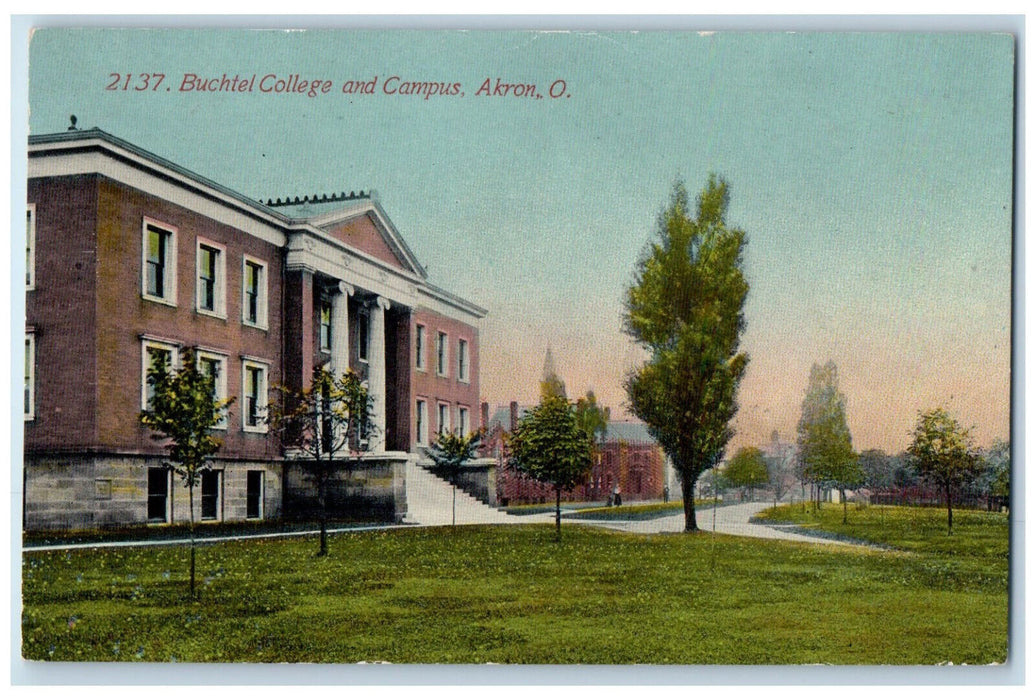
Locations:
column 346, row 288
column 384, row 303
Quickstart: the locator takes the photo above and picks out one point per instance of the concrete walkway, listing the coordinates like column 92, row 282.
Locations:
column 729, row 520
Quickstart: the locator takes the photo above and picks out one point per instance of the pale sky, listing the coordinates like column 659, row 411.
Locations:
column 872, row 172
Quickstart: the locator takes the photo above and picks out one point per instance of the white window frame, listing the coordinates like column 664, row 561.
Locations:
column 30, row 247
column 219, row 297
column 174, row 360
column 262, row 398
column 463, row 360
column 169, row 279
column 442, row 354
column 30, row 376
column 420, row 347
column 443, row 418
column 220, row 475
column 262, row 305
column 463, row 412
column 421, row 413
column 221, row 380
column 262, row 494
column 326, row 304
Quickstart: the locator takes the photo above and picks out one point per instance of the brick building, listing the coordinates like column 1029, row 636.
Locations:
column 130, row 257
column 629, row 458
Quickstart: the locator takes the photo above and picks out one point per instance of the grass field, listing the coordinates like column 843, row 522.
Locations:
column 509, row 594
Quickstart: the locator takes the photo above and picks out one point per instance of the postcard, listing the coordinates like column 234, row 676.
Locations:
column 508, row 348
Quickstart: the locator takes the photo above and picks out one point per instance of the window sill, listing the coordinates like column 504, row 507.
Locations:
column 158, row 300
column 255, row 430
column 257, row 326
column 211, row 314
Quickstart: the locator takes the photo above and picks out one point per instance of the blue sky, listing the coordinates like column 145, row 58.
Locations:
column 872, row 172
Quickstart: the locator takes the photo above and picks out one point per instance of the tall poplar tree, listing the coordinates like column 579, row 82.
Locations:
column 686, row 308
column 825, row 444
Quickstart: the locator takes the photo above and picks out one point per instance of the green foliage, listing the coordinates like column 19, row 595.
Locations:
column 825, row 446
column 686, row 308
column 497, row 595
column 878, row 470
column 747, row 468
column 333, row 417
column 549, row 446
column 942, row 451
column 592, row 418
column 183, row 410
column 449, row 452
column 995, row 477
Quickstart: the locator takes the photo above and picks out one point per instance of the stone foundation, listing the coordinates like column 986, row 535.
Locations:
column 78, row 492
column 374, row 490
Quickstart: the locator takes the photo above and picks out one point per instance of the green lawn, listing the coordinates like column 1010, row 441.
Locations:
column 509, row 594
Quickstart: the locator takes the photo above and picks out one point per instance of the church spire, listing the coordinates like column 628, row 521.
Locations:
column 551, row 384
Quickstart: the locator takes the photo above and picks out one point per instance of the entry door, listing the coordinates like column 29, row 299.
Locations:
column 255, row 495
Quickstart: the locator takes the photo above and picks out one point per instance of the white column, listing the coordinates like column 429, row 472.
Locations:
column 340, row 329
column 376, row 370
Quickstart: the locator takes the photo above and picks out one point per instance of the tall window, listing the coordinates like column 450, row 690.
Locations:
column 254, row 293
column 462, row 360
column 462, row 421
column 444, row 418
column 421, row 416
column 30, row 247
column 325, row 326
column 158, row 510
column 211, row 277
column 30, row 377
column 255, row 391
column 419, row 343
column 363, row 333
column 153, row 354
column 159, row 279
column 215, row 367
column 441, row 354
column 254, row 494
column 211, row 482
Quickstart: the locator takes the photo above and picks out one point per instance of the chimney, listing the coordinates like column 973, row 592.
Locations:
column 514, row 416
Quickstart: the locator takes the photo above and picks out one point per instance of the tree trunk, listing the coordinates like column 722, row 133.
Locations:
column 323, row 513
column 845, row 507
column 949, row 510
column 557, row 513
column 690, row 523
column 190, row 527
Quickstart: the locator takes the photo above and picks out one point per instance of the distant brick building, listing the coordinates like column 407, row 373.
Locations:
column 131, row 258
column 629, row 458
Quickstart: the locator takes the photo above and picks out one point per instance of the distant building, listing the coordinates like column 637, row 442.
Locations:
column 131, row 258
column 629, row 458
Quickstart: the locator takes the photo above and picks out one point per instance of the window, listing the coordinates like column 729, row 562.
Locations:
column 444, row 418
column 254, row 384
column 462, row 421
column 325, row 326
column 153, row 353
column 419, row 346
column 158, row 495
column 211, row 279
column 254, row 495
column 30, row 247
column 462, row 360
column 253, row 275
column 441, row 352
column 363, row 333
column 421, row 416
column 159, row 276
column 29, row 409
column 214, row 366
column 211, row 481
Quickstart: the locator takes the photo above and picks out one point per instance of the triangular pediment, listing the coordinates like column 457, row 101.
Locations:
column 366, row 228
